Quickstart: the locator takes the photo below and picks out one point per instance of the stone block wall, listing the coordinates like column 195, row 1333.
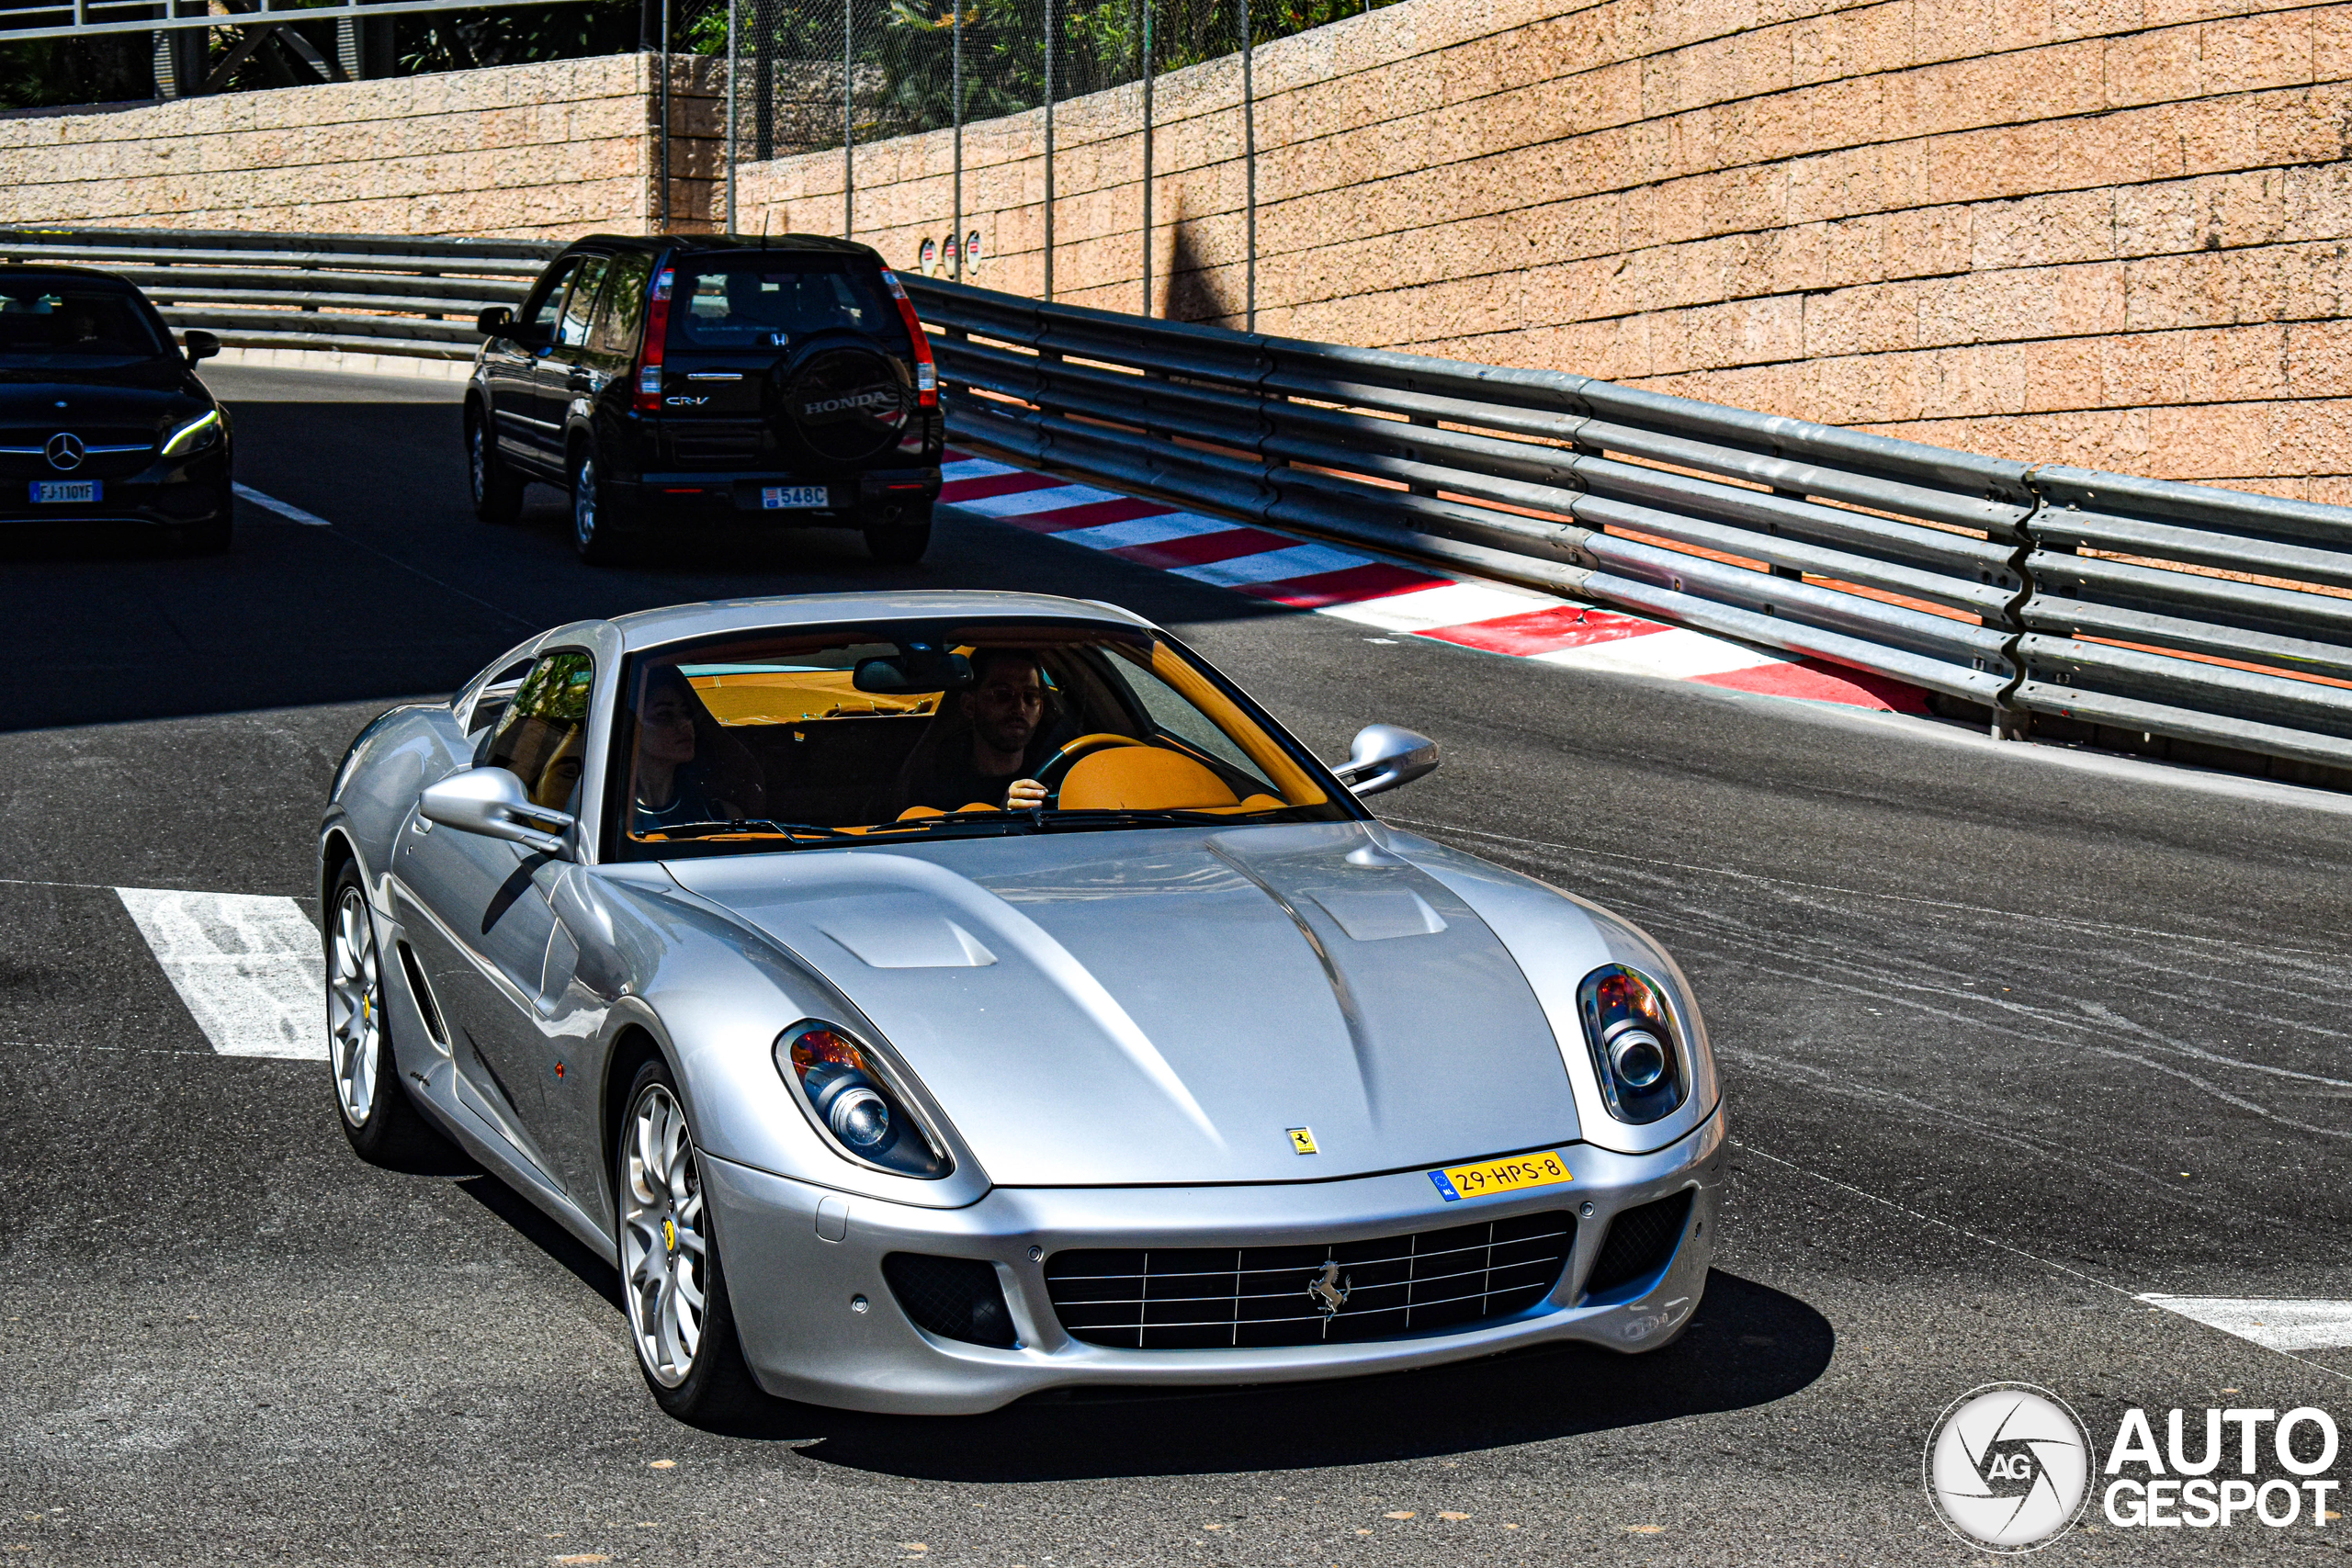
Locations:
column 2111, row 232
column 542, row 150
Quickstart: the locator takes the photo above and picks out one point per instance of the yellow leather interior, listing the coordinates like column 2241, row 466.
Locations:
column 917, row 813
column 1141, row 778
column 789, row 697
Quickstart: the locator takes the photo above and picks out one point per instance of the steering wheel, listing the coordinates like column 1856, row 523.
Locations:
column 1057, row 767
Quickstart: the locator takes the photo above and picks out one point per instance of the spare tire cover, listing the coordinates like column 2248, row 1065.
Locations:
column 846, row 401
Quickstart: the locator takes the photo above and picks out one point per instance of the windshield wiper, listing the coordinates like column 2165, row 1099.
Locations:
column 750, row 827
column 1169, row 816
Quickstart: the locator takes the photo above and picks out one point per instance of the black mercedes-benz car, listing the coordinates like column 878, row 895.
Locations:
column 102, row 419
column 671, row 380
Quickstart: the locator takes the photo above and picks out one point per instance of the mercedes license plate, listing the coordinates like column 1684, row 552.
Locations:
column 783, row 497
column 50, row 491
column 1490, row 1178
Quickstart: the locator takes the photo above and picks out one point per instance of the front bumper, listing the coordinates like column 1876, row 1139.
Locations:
column 168, row 493
column 792, row 1290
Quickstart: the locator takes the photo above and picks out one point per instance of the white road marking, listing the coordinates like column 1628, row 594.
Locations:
column 2274, row 1323
column 1022, row 502
column 1673, row 654
column 1146, row 531
column 974, row 468
column 1456, row 603
column 1273, row 566
column 248, row 967
column 285, row 509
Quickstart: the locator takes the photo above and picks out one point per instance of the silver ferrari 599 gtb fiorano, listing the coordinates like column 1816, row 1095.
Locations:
column 931, row 999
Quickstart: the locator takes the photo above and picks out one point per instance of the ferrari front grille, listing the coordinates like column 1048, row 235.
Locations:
column 1198, row 1298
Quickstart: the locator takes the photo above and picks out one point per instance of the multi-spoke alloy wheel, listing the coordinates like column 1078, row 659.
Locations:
column 664, row 1262
column 381, row 1121
column 679, row 1314
column 355, row 1006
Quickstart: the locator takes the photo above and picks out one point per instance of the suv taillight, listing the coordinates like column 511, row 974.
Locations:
column 926, row 370
column 657, row 333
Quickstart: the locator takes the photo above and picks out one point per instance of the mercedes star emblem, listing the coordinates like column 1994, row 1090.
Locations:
column 65, row 450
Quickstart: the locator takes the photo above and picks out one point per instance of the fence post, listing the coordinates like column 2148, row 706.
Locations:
column 732, row 6
column 1145, row 6
column 849, row 119
column 958, row 80
column 1248, row 172
column 1050, row 14
column 665, row 115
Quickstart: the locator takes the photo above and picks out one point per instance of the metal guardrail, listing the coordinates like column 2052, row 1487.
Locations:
column 2135, row 607
column 353, row 293
column 2123, row 605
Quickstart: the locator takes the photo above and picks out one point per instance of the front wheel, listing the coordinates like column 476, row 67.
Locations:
column 379, row 1118
column 680, row 1319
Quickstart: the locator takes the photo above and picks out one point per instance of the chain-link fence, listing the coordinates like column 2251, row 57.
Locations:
column 840, row 76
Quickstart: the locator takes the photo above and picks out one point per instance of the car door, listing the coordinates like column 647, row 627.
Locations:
column 512, row 368
column 478, row 909
column 567, row 357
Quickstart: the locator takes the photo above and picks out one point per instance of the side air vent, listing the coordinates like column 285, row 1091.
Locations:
column 423, row 994
column 955, row 1298
column 1640, row 1244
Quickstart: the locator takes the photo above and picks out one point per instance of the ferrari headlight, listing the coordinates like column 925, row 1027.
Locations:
column 1637, row 1050
column 197, row 434
column 851, row 1098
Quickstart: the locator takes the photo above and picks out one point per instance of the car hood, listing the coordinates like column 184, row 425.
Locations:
column 1167, row 1006
column 146, row 393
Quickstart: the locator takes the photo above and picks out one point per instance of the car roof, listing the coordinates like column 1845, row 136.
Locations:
column 706, row 245
column 90, row 274
column 653, row 628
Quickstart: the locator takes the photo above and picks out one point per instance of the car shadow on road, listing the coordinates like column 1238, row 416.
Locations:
column 1750, row 1345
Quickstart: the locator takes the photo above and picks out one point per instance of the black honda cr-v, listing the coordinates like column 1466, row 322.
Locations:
column 666, row 380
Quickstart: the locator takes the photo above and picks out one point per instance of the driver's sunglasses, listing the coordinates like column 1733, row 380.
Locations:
column 1027, row 697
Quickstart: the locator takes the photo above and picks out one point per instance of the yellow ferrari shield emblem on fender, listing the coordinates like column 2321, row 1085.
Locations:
column 1302, row 1141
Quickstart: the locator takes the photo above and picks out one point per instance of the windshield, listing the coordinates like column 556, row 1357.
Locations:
column 771, row 300
column 880, row 733
column 61, row 317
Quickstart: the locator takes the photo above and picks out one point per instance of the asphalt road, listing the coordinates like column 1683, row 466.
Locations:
column 2010, row 1036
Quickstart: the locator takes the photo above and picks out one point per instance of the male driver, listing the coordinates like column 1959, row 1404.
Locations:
column 993, row 763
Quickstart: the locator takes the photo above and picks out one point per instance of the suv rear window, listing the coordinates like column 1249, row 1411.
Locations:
column 766, row 299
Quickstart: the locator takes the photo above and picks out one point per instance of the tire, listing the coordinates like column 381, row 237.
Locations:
column 382, row 1122
column 497, row 488
column 597, row 522
column 688, row 1352
column 898, row 544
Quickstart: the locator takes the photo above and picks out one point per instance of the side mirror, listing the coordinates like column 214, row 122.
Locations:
column 489, row 801
column 1382, row 756
column 495, row 321
column 200, row 345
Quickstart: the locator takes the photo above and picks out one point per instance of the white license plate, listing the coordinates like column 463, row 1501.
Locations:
column 781, row 498
column 46, row 490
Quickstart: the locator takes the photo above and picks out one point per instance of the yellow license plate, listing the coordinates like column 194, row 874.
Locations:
column 1490, row 1178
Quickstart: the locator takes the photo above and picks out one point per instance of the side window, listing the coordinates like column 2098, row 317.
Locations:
column 491, row 700
column 623, row 311
column 574, row 333
column 542, row 737
column 547, row 305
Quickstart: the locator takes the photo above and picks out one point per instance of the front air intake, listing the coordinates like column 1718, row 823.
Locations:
column 1640, row 1244
column 955, row 1298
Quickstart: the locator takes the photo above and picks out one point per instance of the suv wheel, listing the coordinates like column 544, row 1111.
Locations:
column 498, row 489
column 898, row 544
column 595, row 521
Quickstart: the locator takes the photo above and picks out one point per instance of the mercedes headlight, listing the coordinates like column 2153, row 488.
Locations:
column 1637, row 1048
column 197, row 434
column 854, row 1102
